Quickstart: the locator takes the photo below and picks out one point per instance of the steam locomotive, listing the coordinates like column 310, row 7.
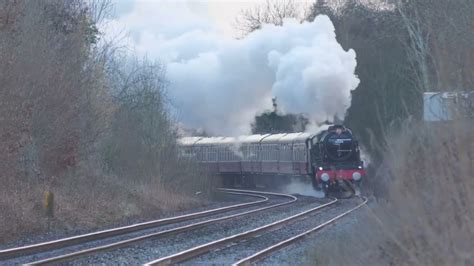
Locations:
column 330, row 158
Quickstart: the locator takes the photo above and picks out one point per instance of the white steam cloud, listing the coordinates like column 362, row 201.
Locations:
column 219, row 84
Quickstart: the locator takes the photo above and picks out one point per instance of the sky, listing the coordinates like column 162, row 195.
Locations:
column 221, row 13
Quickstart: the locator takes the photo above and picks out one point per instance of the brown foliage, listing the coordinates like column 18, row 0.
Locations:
column 59, row 109
column 47, row 84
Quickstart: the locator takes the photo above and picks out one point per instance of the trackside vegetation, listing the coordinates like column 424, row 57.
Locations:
column 82, row 123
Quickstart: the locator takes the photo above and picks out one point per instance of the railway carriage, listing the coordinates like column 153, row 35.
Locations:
column 329, row 159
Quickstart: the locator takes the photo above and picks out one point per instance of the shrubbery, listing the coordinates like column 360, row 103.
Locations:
column 424, row 215
column 78, row 121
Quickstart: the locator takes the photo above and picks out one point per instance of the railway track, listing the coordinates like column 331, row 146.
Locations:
column 86, row 238
column 74, row 240
column 259, row 255
column 199, row 250
column 222, row 243
column 41, row 249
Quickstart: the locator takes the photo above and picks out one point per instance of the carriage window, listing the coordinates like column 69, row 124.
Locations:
column 213, row 154
column 299, row 154
column 285, row 152
column 264, row 152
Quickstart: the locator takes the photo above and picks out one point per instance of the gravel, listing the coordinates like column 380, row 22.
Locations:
column 303, row 251
column 145, row 251
column 248, row 247
column 150, row 250
column 224, row 200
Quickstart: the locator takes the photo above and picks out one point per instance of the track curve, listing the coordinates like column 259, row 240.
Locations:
column 265, row 252
column 74, row 240
column 177, row 230
column 196, row 251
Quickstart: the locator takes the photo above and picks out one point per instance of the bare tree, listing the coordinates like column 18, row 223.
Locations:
column 440, row 42
column 272, row 12
column 99, row 10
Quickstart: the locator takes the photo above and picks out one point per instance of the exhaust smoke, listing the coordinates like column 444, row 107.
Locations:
column 218, row 84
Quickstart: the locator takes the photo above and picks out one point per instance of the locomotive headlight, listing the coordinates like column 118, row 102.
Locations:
column 325, row 177
column 320, row 168
column 356, row 176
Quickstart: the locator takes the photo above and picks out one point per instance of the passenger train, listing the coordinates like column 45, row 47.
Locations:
column 330, row 158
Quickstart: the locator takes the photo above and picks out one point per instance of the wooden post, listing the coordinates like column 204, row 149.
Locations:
column 49, row 206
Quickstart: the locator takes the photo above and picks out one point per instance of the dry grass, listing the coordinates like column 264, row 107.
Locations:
column 84, row 200
column 426, row 215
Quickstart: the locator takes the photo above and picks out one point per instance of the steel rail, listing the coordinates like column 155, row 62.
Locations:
column 79, row 239
column 167, row 232
column 265, row 252
column 198, row 250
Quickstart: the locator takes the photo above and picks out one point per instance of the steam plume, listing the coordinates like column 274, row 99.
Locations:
column 219, row 84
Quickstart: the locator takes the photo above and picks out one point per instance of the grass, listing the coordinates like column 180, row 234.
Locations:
column 422, row 213
column 85, row 201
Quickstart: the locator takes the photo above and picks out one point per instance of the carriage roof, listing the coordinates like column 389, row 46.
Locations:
column 247, row 139
column 295, row 137
column 188, row 141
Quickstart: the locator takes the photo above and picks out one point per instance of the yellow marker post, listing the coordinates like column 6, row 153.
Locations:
column 49, row 206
